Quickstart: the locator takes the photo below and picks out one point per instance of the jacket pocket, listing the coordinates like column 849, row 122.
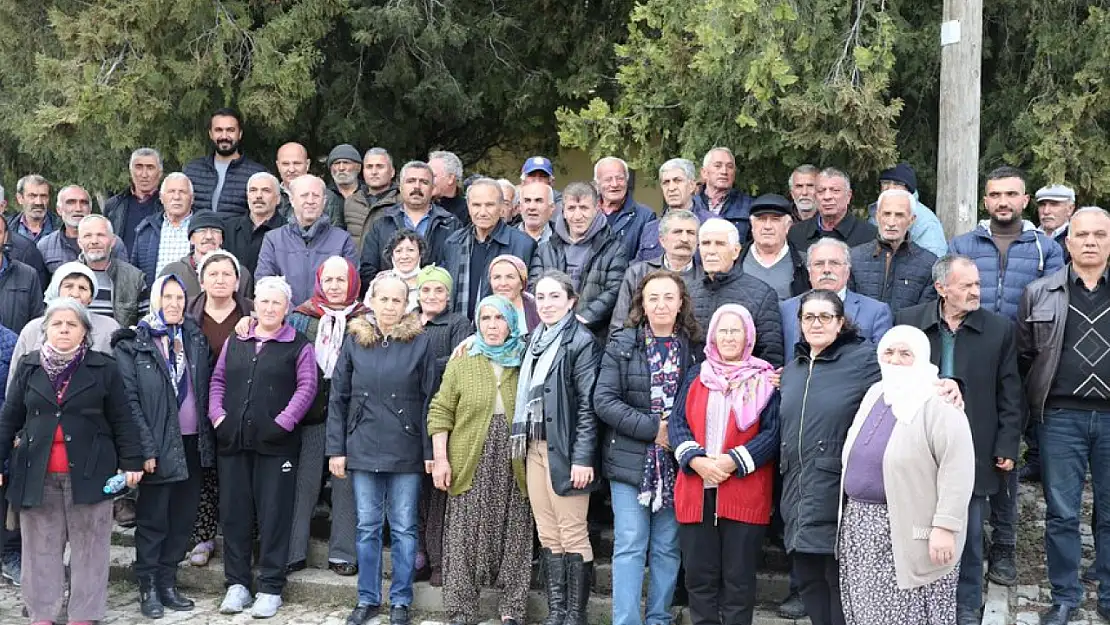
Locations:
column 822, row 501
column 1043, row 322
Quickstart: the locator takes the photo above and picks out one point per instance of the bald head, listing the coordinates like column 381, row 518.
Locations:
column 292, row 162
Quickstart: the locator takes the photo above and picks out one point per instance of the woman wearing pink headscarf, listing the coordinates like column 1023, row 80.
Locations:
column 725, row 431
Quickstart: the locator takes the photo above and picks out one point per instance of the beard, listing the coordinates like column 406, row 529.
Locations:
column 344, row 177
column 96, row 256
column 234, row 148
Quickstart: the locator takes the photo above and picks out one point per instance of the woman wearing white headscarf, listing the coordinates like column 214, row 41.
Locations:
column 909, row 470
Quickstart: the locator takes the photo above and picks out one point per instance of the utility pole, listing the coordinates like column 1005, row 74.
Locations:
column 961, row 63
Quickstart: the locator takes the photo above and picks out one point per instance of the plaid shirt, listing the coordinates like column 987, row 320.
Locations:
column 173, row 244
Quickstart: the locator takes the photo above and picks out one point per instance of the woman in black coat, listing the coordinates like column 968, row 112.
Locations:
column 165, row 365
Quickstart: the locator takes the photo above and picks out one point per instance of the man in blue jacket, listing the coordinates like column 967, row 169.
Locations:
column 893, row 268
column 627, row 218
column 718, row 173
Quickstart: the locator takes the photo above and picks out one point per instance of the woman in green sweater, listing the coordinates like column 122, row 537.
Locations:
column 489, row 522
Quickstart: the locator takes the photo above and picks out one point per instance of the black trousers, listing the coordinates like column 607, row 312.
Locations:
column 720, row 557
column 254, row 486
column 164, row 516
column 819, row 579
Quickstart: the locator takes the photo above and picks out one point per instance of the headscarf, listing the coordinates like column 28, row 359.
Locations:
column 509, row 353
column 516, row 262
column 432, row 273
column 906, row 388
column 742, row 388
column 170, row 335
column 67, row 270
column 219, row 254
column 333, row 321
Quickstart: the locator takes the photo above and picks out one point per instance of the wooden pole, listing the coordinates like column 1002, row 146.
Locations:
column 961, row 61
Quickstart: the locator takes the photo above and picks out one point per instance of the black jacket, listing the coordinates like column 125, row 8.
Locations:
column 986, row 364
column 901, row 278
column 233, row 196
column 20, row 294
column 245, row 241
column 800, row 284
column 25, row 251
column 444, row 332
column 117, row 206
column 819, row 402
column 622, row 399
column 99, row 433
column 736, row 287
column 153, row 402
column 374, row 242
column 601, row 276
column 850, row 230
column 457, row 254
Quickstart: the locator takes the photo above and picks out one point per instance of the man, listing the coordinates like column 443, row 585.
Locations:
column 893, row 268
column 220, row 180
column 363, row 207
column 121, row 288
column 206, row 233
column 770, row 257
column 470, row 249
column 163, row 238
column 830, row 264
column 345, row 166
column 415, row 212
column 627, row 217
column 448, row 171
column 292, row 163
column 61, row 246
column 1062, row 323
column 20, row 289
column 128, row 209
column 927, row 230
column 1055, row 206
column 245, row 233
column 296, row 249
column 802, row 184
column 721, row 280
column 34, row 219
column 679, row 185
column 977, row 347
column 834, row 195
column 718, row 173
column 583, row 247
column 537, row 204
column 540, row 169
column 678, row 238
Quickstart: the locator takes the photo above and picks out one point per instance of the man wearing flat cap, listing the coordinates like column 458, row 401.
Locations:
column 926, row 231
column 769, row 256
column 206, row 233
column 1055, row 205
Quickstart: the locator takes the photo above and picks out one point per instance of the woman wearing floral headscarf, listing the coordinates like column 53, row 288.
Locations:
column 725, row 431
column 508, row 277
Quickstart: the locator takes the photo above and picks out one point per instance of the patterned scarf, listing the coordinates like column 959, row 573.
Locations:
column 660, row 468
column 59, row 365
column 333, row 322
column 171, row 337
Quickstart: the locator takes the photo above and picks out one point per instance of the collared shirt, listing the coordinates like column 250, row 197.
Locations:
column 1057, row 233
column 947, row 344
column 422, row 226
column 21, row 228
column 667, row 265
column 173, row 244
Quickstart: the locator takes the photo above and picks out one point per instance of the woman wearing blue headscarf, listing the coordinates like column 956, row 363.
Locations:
column 489, row 522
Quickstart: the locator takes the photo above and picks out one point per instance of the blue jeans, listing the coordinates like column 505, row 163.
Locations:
column 1072, row 440
column 380, row 496
column 969, row 589
column 636, row 532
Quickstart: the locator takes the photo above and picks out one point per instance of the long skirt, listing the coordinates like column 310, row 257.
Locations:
column 208, row 513
column 868, row 589
column 488, row 538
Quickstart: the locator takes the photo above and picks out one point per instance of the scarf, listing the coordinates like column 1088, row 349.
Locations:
column 740, row 388
column 907, row 388
column 333, row 322
column 507, row 354
column 406, row 275
column 539, row 357
column 171, row 337
column 660, row 468
column 59, row 365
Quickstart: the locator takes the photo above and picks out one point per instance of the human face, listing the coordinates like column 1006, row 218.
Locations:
column 1089, row 240
column 895, row 216
column 678, row 190
column 718, row 254
column 78, row 287
column 720, row 173
column 219, row 280
column 446, row 184
column 552, row 302
column 416, row 189
column 389, row 302
column 292, row 162
column 579, row 213
column 505, row 281
column 828, row 268
column 433, row 298
column 680, row 241
column 803, row 192
column 535, row 210
column 821, row 324
column 146, row 174
column 484, row 204
column 308, row 201
column 612, row 181
column 377, row 172
column 73, row 205
column 406, row 256
column 897, row 354
column 173, row 302
column 345, row 173
column 64, row 331
column 1005, row 199
column 205, row 240
column 225, row 134
column 492, row 325
column 1054, row 213
column 271, row 307
column 176, row 198
column 662, row 301
column 769, row 230
column 833, row 197
column 34, row 200
column 961, row 292
column 731, row 338
column 95, row 241
column 262, row 198
column 335, row 283
column 509, row 207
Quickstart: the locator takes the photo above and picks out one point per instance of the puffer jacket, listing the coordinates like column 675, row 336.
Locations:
column 233, row 196
column 710, row 292
column 736, row 208
column 20, row 294
column 57, row 249
column 629, row 222
column 360, row 211
column 371, row 260
column 901, row 278
column 1032, row 256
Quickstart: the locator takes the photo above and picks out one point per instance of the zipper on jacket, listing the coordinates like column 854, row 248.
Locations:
column 805, row 398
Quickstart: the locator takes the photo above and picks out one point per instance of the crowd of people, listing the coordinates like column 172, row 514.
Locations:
column 471, row 363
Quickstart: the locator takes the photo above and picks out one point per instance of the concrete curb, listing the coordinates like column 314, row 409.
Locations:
column 997, row 610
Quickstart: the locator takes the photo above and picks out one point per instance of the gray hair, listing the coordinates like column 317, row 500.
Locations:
column 717, row 224
column 143, row 153
column 175, row 176
column 708, row 158
column 267, row 176
column 416, row 165
column 676, row 215
column 829, row 241
column 805, row 168
column 889, row 193
column 450, row 162
column 610, row 159
column 1091, row 210
column 68, row 188
column 378, row 152
column 832, row 172
column 34, row 179
column 683, row 164
column 382, row 278
column 943, row 267
column 306, row 178
column 275, row 283
column 60, row 304
column 91, row 217
column 581, row 190
column 486, row 182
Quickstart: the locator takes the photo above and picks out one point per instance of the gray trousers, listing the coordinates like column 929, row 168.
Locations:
column 46, row 530
column 341, row 546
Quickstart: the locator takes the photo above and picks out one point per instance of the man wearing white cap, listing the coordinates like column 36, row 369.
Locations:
column 1055, row 205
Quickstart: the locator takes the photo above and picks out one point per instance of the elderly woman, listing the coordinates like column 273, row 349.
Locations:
column 508, row 277
column 554, row 434
column 77, row 432
column 377, row 431
column 406, row 251
column 262, row 387
column 725, row 435
column 489, row 523
column 165, row 364
column 640, row 377
column 909, row 471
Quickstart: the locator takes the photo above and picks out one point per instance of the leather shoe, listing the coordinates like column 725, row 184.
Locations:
column 174, row 600
column 346, row 569
column 1057, row 615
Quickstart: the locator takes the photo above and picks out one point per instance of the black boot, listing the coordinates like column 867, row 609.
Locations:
column 170, row 598
column 149, row 604
column 555, row 573
column 1001, row 568
column 579, row 578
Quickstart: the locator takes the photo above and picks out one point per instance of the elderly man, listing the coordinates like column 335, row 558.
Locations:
column 802, row 185
column 163, row 238
column 977, row 347
column 220, row 180
column 20, row 289
column 678, row 238
column 627, row 218
column 926, row 230
column 206, row 233
column 834, row 219
column 721, row 280
column 60, row 246
column 679, row 184
column 296, row 249
column 128, row 209
column 448, row 171
column 470, row 249
column 830, row 265
column 718, row 174
column 121, row 288
column 378, row 193
column 584, row 248
column 893, row 268
column 34, row 219
column 1061, row 323
column 540, row 169
column 537, row 204
column 1055, row 206
column 770, row 257
column 244, row 234
column 292, row 163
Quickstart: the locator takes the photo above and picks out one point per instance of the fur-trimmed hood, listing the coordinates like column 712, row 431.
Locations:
column 366, row 333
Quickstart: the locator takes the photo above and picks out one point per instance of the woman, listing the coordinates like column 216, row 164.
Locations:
column 165, row 364
column 216, row 310
column 406, row 250
column 70, row 405
column 489, row 523
column 378, row 432
column 508, row 277
column 554, row 434
column 909, row 467
column 725, row 435
column 640, row 377
column 323, row 320
column 262, row 386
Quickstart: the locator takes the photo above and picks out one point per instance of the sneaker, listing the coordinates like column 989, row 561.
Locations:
column 265, row 605
column 399, row 615
column 12, row 569
column 363, row 612
column 236, row 600
column 792, row 607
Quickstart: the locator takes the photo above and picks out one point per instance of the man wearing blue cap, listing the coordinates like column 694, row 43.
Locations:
column 540, row 169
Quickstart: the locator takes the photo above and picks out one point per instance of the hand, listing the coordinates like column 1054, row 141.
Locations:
column 429, row 465
column 661, row 437
column 725, row 463
column 942, row 546
column 581, row 476
column 463, row 347
column 1, row 479
column 707, row 469
column 581, row 319
column 950, row 392
column 243, row 327
column 1004, row 464
column 441, row 474
column 338, row 466
column 776, row 378
column 150, row 465
column 218, row 421
column 133, row 478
